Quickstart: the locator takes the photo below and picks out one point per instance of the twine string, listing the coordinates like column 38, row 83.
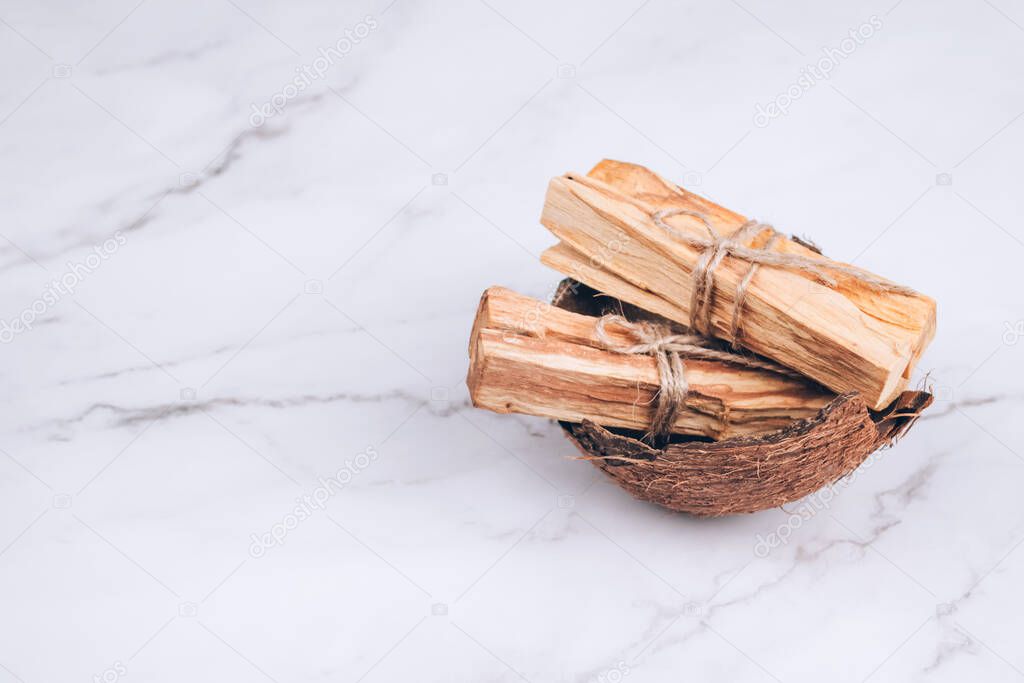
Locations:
column 669, row 349
column 741, row 292
column 716, row 247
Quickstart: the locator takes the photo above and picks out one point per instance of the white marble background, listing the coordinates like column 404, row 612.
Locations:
column 279, row 299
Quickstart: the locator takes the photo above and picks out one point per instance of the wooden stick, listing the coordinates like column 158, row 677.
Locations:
column 567, row 260
column 527, row 356
column 849, row 338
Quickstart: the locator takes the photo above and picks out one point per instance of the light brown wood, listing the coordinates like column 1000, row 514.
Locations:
column 849, row 338
column 527, row 356
column 572, row 263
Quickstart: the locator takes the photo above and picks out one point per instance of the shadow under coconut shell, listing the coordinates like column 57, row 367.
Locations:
column 743, row 474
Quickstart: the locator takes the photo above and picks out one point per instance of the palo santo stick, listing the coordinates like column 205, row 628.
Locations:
column 527, row 356
column 849, row 337
column 649, row 187
column 567, row 260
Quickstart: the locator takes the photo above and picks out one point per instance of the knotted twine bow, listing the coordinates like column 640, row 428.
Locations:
column 669, row 350
column 717, row 247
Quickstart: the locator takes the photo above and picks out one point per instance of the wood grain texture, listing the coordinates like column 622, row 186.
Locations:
column 747, row 473
column 851, row 338
column 527, row 356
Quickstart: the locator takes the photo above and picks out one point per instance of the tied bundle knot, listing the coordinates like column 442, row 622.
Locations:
column 715, row 247
column 668, row 350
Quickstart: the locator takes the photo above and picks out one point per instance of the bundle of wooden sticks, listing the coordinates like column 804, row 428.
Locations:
column 734, row 329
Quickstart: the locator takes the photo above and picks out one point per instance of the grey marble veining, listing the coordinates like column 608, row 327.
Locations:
column 242, row 246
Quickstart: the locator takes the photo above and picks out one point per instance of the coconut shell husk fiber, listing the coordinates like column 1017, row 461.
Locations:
column 743, row 474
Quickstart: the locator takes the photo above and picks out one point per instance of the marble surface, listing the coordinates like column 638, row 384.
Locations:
column 242, row 245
